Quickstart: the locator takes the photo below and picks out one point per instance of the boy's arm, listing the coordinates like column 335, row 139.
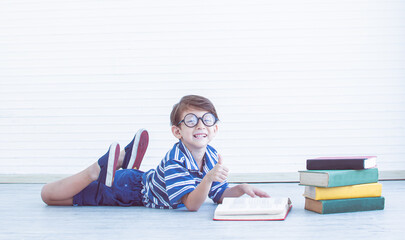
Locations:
column 196, row 198
column 242, row 189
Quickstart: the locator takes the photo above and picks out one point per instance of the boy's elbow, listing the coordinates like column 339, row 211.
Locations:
column 192, row 208
column 190, row 205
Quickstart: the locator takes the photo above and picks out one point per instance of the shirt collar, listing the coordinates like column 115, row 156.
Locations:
column 190, row 162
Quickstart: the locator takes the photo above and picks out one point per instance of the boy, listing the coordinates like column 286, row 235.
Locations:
column 190, row 171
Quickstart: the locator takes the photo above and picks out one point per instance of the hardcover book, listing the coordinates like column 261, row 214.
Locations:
column 352, row 191
column 344, row 205
column 253, row 209
column 340, row 163
column 337, row 178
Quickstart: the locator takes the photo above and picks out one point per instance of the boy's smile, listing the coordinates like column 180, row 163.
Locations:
column 200, row 135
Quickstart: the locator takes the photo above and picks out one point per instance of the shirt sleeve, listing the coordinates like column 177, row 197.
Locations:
column 217, row 189
column 178, row 181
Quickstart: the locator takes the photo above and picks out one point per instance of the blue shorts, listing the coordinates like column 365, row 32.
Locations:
column 125, row 191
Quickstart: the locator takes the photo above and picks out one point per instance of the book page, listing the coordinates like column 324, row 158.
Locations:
column 237, row 206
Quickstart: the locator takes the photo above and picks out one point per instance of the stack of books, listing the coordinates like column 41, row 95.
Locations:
column 342, row 184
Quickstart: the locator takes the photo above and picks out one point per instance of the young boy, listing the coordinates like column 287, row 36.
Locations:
column 190, row 171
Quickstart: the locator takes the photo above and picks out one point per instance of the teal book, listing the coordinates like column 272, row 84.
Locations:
column 344, row 205
column 338, row 178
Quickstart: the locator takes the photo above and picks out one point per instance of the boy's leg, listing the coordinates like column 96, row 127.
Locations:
column 135, row 150
column 62, row 191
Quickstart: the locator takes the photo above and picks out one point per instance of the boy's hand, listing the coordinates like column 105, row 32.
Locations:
column 253, row 192
column 241, row 189
column 219, row 173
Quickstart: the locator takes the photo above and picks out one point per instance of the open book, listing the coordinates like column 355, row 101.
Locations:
column 253, row 209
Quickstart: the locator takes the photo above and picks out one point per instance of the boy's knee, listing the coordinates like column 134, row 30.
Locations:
column 45, row 195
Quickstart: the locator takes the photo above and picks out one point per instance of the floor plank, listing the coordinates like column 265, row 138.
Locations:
column 25, row 216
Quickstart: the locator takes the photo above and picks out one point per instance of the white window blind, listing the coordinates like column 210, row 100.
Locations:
column 290, row 79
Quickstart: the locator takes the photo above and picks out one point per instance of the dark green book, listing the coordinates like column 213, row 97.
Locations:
column 338, row 178
column 344, row 205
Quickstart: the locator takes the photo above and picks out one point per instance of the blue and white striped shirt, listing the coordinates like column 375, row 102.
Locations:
column 176, row 175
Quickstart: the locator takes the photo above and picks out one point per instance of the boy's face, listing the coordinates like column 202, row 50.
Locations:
column 197, row 137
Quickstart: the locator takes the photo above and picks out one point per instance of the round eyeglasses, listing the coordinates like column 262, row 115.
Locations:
column 191, row 120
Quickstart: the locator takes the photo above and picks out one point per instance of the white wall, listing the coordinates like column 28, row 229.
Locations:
column 290, row 79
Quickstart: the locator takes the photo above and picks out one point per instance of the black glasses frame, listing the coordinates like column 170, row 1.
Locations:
column 198, row 119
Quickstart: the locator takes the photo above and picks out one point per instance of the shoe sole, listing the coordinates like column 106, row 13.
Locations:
column 141, row 142
column 113, row 155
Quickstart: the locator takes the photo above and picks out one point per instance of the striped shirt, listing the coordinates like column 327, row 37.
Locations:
column 177, row 175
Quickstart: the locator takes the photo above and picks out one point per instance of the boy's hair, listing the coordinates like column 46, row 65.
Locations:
column 191, row 101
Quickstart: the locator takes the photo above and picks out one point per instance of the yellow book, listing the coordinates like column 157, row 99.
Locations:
column 353, row 191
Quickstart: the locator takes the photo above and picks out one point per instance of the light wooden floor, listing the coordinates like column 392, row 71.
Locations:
column 24, row 216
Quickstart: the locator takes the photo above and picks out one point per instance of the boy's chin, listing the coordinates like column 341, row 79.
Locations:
column 198, row 143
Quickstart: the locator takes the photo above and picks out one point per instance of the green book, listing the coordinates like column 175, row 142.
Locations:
column 344, row 205
column 338, row 178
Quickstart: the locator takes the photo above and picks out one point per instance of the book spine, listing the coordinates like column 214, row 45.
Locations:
column 352, row 205
column 353, row 191
column 340, row 178
column 331, row 164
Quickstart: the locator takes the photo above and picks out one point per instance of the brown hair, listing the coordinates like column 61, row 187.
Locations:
column 191, row 101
